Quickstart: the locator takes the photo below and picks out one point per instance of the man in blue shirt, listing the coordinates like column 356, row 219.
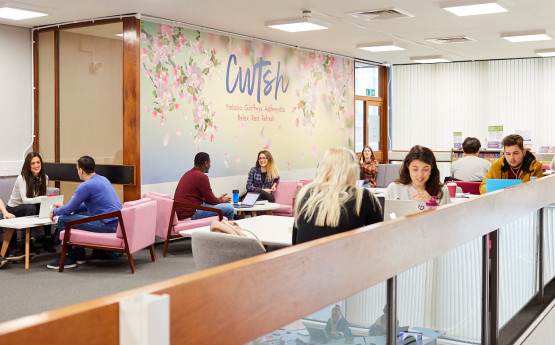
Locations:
column 92, row 197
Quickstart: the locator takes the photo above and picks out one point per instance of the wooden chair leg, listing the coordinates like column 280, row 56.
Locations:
column 152, row 253
column 7, row 237
column 63, row 257
column 130, row 258
column 166, row 247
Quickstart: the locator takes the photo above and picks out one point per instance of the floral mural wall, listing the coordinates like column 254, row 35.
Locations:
column 232, row 97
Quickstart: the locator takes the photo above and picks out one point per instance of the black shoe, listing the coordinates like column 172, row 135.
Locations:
column 48, row 246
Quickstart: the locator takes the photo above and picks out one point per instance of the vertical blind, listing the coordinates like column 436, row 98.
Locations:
column 430, row 102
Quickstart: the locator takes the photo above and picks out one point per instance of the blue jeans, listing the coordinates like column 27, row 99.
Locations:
column 96, row 226
column 227, row 210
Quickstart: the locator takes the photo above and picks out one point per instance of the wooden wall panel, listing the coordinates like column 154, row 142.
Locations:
column 131, row 103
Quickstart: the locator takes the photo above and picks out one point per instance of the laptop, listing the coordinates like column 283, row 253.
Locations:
column 44, row 213
column 493, row 184
column 317, row 334
column 394, row 209
column 46, row 205
column 249, row 200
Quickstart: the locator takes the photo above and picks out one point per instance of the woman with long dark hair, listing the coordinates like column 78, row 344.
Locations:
column 418, row 178
column 369, row 166
column 29, row 188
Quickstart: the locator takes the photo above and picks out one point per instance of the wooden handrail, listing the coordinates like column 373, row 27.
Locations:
column 237, row 302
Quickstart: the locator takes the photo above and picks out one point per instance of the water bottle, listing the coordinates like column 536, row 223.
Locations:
column 236, row 196
column 432, row 203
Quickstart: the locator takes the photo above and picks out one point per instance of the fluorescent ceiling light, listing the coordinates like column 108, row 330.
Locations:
column 8, row 11
column 429, row 59
column 305, row 23
column 537, row 35
column 545, row 52
column 472, row 7
column 380, row 46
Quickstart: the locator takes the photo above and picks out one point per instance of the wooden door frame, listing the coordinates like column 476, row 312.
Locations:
column 130, row 94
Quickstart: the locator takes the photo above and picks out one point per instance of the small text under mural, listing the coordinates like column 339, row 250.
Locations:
column 255, row 113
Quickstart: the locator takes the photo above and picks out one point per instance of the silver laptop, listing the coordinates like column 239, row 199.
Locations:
column 249, row 200
column 394, row 209
column 46, row 204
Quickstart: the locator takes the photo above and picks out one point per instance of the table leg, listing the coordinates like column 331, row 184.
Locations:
column 7, row 237
column 241, row 214
column 254, row 213
column 27, row 238
column 269, row 213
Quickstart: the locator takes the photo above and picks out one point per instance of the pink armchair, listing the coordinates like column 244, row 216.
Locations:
column 136, row 230
column 285, row 195
column 167, row 224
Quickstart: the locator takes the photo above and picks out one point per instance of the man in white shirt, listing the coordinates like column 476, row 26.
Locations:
column 470, row 167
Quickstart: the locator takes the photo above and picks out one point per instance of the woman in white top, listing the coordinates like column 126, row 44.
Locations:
column 29, row 188
column 418, row 178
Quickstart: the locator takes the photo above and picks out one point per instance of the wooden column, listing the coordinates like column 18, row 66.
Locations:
column 131, row 104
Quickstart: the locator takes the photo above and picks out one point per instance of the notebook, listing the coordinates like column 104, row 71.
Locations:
column 493, row 184
column 394, row 209
column 249, row 200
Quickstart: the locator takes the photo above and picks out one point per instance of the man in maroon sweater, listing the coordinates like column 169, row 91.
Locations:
column 194, row 188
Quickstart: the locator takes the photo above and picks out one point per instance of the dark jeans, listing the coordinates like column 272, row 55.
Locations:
column 265, row 195
column 23, row 211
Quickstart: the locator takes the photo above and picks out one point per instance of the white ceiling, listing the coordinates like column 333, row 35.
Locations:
column 247, row 17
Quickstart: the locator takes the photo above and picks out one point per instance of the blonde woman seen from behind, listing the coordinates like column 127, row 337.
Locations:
column 333, row 203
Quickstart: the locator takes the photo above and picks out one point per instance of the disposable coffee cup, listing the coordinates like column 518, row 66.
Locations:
column 235, row 196
column 452, row 187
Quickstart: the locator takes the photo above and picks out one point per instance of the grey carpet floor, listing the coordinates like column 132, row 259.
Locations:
column 38, row 289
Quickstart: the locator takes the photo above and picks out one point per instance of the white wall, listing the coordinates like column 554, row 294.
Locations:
column 16, row 98
column 430, row 102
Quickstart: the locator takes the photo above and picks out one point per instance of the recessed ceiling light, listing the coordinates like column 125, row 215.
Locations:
column 380, row 46
column 472, row 7
column 537, row 35
column 15, row 12
column 119, row 35
column 545, row 52
column 429, row 59
column 306, row 23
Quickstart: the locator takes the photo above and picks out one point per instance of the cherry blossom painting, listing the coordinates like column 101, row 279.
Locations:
column 232, row 97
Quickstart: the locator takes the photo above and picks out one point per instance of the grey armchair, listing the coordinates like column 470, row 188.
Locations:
column 213, row 249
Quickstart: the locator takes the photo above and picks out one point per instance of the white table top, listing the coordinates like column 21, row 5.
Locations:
column 271, row 230
column 377, row 190
column 260, row 207
column 24, row 222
